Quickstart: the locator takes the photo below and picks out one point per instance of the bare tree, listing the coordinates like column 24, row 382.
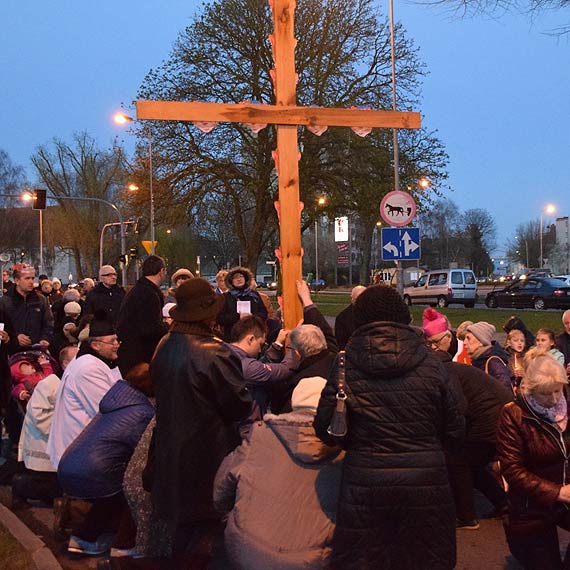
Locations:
column 343, row 59
column 79, row 170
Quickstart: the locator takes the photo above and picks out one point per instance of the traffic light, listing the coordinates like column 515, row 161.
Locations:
column 39, row 199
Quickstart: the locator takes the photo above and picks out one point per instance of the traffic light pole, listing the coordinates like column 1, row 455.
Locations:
column 121, row 222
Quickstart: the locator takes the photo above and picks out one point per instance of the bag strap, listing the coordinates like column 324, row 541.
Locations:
column 489, row 359
column 341, row 372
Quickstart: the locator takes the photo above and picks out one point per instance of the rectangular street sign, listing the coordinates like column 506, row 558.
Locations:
column 400, row 243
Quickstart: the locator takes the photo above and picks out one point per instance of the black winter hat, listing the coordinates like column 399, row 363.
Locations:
column 101, row 325
column 381, row 303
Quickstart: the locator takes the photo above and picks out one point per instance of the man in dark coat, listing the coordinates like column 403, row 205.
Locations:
column 344, row 322
column 396, row 508
column 316, row 346
column 106, row 295
column 140, row 326
column 29, row 311
column 200, row 397
column 481, row 399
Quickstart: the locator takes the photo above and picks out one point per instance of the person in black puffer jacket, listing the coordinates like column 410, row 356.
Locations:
column 395, row 509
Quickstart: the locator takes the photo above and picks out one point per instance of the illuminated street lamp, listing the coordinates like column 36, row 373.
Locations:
column 548, row 209
column 320, row 202
column 122, row 119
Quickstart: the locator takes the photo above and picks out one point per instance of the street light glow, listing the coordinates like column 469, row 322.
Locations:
column 424, row 183
column 550, row 209
column 121, row 118
column 133, row 187
column 26, row 196
column 321, row 201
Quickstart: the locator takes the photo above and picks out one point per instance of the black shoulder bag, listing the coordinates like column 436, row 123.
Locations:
column 338, row 427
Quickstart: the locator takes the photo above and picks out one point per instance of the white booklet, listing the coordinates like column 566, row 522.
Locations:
column 244, row 307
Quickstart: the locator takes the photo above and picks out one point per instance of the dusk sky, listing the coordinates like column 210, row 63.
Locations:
column 498, row 90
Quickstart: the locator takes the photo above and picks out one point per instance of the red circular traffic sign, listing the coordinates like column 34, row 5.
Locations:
column 398, row 208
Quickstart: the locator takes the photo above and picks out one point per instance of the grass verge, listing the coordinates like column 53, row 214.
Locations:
column 12, row 554
column 331, row 304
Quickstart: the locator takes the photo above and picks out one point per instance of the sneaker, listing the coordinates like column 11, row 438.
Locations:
column 467, row 525
column 121, row 552
column 79, row 546
column 497, row 513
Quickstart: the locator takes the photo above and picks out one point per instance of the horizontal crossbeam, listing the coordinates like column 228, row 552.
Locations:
column 278, row 115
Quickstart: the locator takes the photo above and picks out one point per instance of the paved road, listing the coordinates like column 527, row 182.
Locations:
column 483, row 549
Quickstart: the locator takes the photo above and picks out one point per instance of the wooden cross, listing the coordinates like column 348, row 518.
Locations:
column 287, row 116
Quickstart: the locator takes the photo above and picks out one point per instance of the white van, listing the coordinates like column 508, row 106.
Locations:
column 443, row 287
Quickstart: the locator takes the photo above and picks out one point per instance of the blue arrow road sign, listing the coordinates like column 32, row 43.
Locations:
column 400, row 243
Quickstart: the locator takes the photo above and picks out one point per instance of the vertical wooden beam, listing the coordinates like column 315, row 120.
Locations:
column 288, row 166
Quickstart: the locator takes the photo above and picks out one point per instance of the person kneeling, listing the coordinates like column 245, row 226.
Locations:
column 281, row 486
column 93, row 466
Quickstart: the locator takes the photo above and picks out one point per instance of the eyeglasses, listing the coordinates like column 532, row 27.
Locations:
column 116, row 341
column 436, row 343
column 109, row 275
column 182, row 278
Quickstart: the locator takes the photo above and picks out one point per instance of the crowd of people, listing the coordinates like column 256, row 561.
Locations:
column 165, row 426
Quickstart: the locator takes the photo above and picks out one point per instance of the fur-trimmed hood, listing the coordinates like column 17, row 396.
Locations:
column 239, row 269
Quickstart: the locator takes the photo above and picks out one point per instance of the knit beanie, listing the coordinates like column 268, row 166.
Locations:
column 182, row 272
column 462, row 329
column 72, row 308
column 434, row 323
column 381, row 303
column 307, row 393
column 484, row 332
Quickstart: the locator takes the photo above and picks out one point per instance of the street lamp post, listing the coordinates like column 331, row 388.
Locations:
column 121, row 119
column 549, row 209
column 320, row 202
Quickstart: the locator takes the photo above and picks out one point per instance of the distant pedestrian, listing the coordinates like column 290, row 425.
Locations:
column 178, row 277
column 106, row 295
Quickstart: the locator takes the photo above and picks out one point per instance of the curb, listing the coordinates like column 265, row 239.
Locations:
column 41, row 555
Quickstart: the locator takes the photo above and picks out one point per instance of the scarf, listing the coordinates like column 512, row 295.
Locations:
column 557, row 415
column 236, row 293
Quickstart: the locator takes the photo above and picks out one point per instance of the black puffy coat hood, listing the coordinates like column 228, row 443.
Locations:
column 385, row 349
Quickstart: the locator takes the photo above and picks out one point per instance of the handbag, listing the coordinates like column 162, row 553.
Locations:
column 338, row 427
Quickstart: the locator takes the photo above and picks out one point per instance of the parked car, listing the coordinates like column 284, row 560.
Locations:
column 317, row 284
column 534, row 292
column 443, row 287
